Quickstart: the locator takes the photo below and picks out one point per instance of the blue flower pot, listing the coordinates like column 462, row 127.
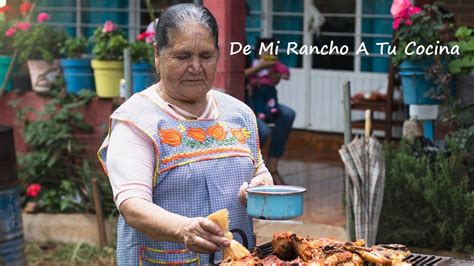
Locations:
column 4, row 64
column 78, row 75
column 143, row 76
column 414, row 83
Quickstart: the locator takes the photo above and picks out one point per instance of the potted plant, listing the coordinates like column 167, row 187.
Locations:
column 77, row 68
column 39, row 44
column 425, row 79
column 463, row 66
column 143, row 67
column 109, row 42
column 6, row 49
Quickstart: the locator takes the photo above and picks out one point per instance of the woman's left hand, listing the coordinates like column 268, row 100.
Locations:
column 255, row 182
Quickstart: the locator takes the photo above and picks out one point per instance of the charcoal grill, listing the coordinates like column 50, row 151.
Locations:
column 266, row 249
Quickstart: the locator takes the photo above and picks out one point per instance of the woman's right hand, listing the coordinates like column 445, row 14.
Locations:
column 201, row 235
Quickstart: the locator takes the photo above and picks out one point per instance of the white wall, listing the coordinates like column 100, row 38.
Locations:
column 325, row 111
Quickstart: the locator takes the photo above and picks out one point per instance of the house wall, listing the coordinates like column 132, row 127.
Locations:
column 463, row 10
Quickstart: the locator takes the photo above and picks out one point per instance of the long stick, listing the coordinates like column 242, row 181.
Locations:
column 347, row 139
column 99, row 214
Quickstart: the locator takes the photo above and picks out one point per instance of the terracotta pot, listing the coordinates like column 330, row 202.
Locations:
column 42, row 74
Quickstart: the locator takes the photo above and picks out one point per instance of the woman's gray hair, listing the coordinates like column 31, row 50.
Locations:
column 177, row 15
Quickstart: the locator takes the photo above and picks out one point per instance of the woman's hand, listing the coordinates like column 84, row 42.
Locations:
column 201, row 235
column 261, row 180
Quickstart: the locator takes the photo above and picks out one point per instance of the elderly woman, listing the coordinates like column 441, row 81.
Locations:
column 179, row 151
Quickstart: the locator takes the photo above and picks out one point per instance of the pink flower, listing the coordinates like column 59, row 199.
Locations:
column 42, row 17
column 402, row 10
column 10, row 32
column 33, row 190
column 149, row 36
column 108, row 26
column 398, row 7
column 23, row 26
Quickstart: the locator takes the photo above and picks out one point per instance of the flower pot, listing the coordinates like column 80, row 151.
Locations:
column 11, row 233
column 107, row 75
column 414, row 83
column 78, row 75
column 143, row 76
column 42, row 74
column 4, row 64
column 21, row 81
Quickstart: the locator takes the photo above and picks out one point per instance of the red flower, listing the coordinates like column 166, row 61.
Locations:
column 33, row 190
column 141, row 36
column 5, row 9
column 25, row 8
column 144, row 35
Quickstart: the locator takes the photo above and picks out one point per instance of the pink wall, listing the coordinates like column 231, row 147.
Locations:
column 96, row 113
column 230, row 16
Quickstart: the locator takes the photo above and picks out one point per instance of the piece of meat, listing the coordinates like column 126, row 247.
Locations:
column 246, row 261
column 282, row 244
column 369, row 255
column 307, row 249
column 336, row 257
column 396, row 252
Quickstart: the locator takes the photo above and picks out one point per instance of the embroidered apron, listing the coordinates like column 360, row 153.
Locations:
column 200, row 167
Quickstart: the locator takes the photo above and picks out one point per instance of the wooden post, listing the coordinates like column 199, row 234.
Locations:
column 99, row 214
column 347, row 139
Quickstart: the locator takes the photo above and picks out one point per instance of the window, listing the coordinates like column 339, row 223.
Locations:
column 339, row 28
column 81, row 17
column 348, row 22
column 376, row 28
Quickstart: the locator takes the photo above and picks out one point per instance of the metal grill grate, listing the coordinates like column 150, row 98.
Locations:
column 422, row 259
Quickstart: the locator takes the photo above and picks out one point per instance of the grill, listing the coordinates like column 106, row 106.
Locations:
column 266, row 249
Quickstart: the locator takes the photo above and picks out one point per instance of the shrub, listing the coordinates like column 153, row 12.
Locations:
column 429, row 200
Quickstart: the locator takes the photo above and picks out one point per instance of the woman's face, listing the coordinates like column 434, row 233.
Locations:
column 188, row 65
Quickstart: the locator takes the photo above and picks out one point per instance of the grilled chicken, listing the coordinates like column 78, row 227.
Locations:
column 282, row 244
column 307, row 249
column 369, row 255
column 246, row 261
column 396, row 252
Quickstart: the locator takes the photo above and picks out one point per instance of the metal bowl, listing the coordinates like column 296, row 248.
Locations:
column 275, row 202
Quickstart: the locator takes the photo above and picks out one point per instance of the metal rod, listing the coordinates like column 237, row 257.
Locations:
column 99, row 214
column 127, row 60
column 78, row 18
column 347, row 139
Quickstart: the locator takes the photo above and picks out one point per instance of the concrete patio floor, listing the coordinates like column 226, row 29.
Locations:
column 324, row 214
